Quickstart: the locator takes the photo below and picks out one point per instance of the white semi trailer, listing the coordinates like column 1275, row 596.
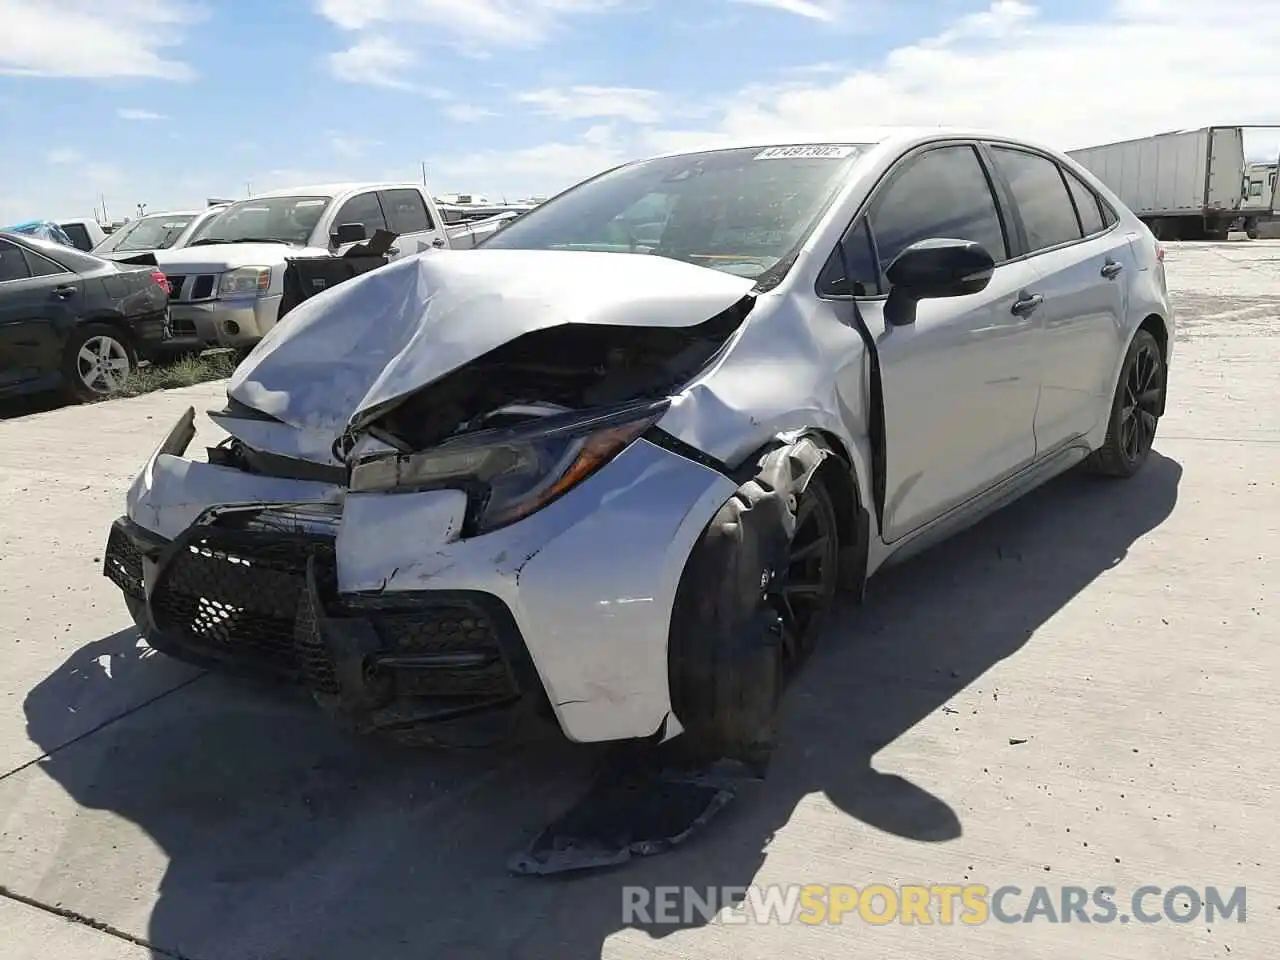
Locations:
column 1186, row 184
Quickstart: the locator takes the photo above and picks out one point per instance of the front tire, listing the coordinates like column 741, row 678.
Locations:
column 97, row 362
column 1135, row 411
column 750, row 606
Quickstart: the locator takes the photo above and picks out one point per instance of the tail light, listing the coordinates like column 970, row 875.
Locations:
column 1160, row 253
column 160, row 280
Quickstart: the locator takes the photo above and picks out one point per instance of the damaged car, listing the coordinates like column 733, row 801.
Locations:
column 613, row 468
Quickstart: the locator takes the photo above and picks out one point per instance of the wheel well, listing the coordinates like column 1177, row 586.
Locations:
column 1154, row 325
column 115, row 322
column 852, row 520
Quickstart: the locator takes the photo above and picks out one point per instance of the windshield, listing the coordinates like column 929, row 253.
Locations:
column 156, row 232
column 267, row 219
column 742, row 211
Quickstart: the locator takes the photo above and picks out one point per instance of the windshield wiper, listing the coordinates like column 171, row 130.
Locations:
column 210, row 240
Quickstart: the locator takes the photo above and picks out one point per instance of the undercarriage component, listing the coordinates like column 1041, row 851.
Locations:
column 750, row 604
column 636, row 807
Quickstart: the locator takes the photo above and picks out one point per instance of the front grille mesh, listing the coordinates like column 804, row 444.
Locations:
column 237, row 593
column 122, row 564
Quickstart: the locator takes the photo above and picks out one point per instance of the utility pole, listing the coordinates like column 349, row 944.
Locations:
column 248, row 189
column 424, row 173
column 103, row 198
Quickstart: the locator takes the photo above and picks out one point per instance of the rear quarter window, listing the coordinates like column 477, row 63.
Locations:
column 1040, row 193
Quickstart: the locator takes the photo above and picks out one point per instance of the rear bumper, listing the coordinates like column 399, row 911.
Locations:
column 265, row 604
column 150, row 333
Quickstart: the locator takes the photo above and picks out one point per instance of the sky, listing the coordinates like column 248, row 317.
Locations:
column 170, row 102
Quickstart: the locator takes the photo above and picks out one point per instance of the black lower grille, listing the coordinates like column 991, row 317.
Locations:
column 182, row 328
column 236, row 593
column 122, row 564
column 454, row 651
column 257, row 600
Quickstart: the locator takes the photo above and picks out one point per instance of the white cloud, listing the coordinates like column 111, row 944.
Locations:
column 1010, row 68
column 474, row 25
column 133, row 113
column 587, row 103
column 377, row 61
column 468, row 113
column 540, row 169
column 824, row 10
column 94, row 39
column 63, row 155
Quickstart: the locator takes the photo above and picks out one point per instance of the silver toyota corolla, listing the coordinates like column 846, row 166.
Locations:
column 613, row 467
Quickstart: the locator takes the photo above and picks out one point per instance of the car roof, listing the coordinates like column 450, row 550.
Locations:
column 889, row 136
column 331, row 189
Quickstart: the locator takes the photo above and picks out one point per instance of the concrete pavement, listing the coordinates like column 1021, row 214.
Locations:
column 1080, row 691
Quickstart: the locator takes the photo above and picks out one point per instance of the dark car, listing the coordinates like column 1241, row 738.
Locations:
column 73, row 321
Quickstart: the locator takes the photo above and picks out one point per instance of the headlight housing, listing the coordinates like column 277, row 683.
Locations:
column 245, row 282
column 510, row 473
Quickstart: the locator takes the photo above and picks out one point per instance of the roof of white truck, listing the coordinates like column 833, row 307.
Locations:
column 334, row 189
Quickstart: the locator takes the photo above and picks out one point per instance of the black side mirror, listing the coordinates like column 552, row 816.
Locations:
column 931, row 269
column 350, row 233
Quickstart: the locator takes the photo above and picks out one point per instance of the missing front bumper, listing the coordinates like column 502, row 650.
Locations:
column 265, row 603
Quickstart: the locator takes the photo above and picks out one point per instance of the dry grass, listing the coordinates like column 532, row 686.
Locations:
column 181, row 373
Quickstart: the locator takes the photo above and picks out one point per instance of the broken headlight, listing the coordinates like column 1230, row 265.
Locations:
column 511, row 472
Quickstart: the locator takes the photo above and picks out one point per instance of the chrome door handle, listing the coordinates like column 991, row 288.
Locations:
column 437, row 243
column 1111, row 269
column 1027, row 305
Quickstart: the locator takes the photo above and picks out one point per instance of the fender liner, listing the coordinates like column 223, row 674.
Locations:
column 724, row 641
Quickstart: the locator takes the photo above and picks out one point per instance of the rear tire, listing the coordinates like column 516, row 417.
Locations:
column 97, row 361
column 1135, row 411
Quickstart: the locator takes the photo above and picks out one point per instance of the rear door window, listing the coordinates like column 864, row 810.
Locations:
column 943, row 192
column 406, row 211
column 1041, row 195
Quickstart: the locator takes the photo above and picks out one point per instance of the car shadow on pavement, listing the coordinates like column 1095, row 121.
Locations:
column 287, row 839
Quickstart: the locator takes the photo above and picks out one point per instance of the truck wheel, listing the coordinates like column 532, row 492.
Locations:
column 1135, row 411
column 751, row 603
column 96, row 362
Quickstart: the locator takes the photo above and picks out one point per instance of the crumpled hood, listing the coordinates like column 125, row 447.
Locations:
column 386, row 334
column 218, row 257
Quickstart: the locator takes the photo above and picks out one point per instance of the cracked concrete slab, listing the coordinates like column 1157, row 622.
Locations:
column 1079, row 691
column 32, row 932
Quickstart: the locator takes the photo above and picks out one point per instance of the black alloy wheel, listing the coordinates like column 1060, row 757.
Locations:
column 805, row 591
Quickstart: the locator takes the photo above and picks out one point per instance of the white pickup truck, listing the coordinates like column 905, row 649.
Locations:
column 228, row 280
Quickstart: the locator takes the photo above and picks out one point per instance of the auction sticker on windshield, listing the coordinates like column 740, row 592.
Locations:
column 808, row 151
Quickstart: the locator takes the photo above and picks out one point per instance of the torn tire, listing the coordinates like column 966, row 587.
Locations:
column 729, row 644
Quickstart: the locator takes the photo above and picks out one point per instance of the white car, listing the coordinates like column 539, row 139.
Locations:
column 613, row 467
column 154, row 232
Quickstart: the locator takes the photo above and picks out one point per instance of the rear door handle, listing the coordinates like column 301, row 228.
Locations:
column 1027, row 305
column 1111, row 269
column 64, row 291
